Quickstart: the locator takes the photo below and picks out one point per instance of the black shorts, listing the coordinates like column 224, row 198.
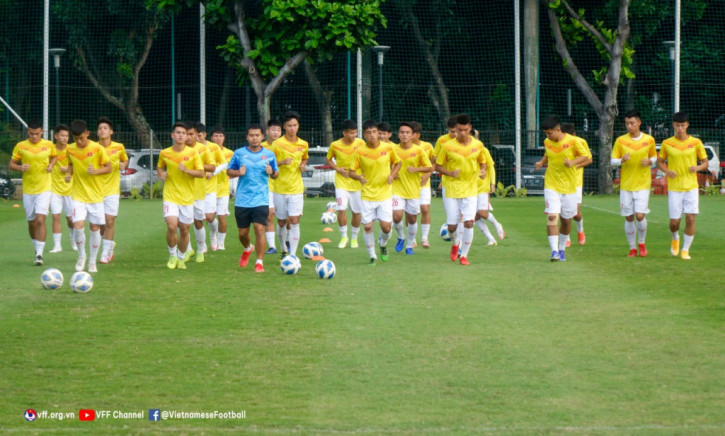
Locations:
column 247, row 215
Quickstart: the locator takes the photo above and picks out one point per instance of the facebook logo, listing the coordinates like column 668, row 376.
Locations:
column 154, row 414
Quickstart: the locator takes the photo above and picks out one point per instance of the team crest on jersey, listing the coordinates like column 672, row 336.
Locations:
column 44, row 149
column 89, row 154
column 383, row 153
column 264, row 157
column 300, row 149
column 186, row 158
column 412, row 154
column 690, row 146
column 566, row 145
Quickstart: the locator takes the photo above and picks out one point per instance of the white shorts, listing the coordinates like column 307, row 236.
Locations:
column 425, row 195
column 185, row 214
column 631, row 202
column 61, row 203
column 455, row 207
column 344, row 197
column 94, row 212
column 205, row 206
column 562, row 204
column 377, row 210
column 271, row 200
column 484, row 202
column 222, row 206
column 36, row 204
column 233, row 186
column 411, row 206
column 579, row 195
column 287, row 205
column 680, row 202
column 110, row 205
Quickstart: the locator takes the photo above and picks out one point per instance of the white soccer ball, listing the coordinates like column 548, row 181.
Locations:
column 331, row 205
column 325, row 269
column 51, row 278
column 445, row 235
column 312, row 249
column 291, row 264
column 328, row 218
column 81, row 282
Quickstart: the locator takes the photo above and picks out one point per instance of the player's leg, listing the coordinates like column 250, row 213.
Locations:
column 641, row 209
column 171, row 216
column 675, row 200
column 210, row 217
column 222, row 211
column 80, row 213
column 294, row 209
column 482, row 205
column 568, row 210
column 184, row 234
column 96, row 219
column 425, row 199
column 56, row 207
column 552, row 200
column 367, row 219
column 342, row 199
column 384, row 215
column 691, row 209
column 108, row 231
column 492, row 219
column 269, row 233
column 398, row 210
column 453, row 216
column 280, row 210
column 468, row 210
column 259, row 221
column 412, row 209
column 579, row 218
column 67, row 202
column 243, row 216
column 356, row 208
column 42, row 207
column 626, row 209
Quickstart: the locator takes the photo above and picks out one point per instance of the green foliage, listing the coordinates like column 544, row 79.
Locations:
column 136, row 194
column 615, row 188
column 712, row 190
column 153, row 191
column 509, row 191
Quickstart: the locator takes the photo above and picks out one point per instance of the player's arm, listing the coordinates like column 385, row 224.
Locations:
column 69, row 173
column 542, row 163
column 15, row 165
column 482, row 170
column 51, row 164
column 303, row 164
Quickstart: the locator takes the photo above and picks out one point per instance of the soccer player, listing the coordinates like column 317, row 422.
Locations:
column 678, row 160
column 578, row 218
column 347, row 190
column 222, row 195
column 414, row 163
column 210, row 200
column 60, row 197
column 461, row 162
column 35, row 158
column 563, row 153
column 291, row 153
column 385, row 132
column 451, row 135
column 253, row 165
column 483, row 202
column 635, row 153
column 88, row 162
column 204, row 201
column 111, row 184
column 274, row 132
column 179, row 166
column 378, row 165
column 425, row 190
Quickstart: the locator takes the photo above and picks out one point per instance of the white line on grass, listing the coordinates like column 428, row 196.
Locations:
column 616, row 212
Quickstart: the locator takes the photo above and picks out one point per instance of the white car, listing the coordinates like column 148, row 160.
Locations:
column 318, row 177
column 140, row 170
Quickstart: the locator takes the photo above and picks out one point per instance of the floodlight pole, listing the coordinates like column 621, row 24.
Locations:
column 671, row 50
column 380, row 50
column 57, row 53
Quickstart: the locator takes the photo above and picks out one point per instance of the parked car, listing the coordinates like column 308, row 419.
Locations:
column 531, row 178
column 141, row 169
column 7, row 187
column 318, row 177
column 504, row 159
column 714, row 164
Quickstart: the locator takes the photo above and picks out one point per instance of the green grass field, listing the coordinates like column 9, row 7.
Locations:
column 512, row 344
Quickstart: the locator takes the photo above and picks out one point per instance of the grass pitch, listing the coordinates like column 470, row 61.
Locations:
column 511, row 344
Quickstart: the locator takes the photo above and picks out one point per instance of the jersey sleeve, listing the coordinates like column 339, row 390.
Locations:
column 701, row 153
column 197, row 161
column 355, row 162
column 663, row 151
column 442, row 156
column 652, row 150
column 394, row 158
column 16, row 153
column 234, row 163
column 103, row 156
column 490, row 166
column 162, row 161
column 617, row 150
column 330, row 152
column 424, row 160
column 305, row 155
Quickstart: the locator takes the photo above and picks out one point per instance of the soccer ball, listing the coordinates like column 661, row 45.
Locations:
column 81, row 282
column 325, row 269
column 51, row 278
column 312, row 249
column 331, row 205
column 328, row 218
column 291, row 264
column 445, row 235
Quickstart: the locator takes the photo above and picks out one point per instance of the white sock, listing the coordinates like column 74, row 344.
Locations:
column 95, row 245
column 172, row 251
column 630, row 231
column 675, row 236
column 455, row 236
column 459, row 229
column 294, row 240
column 492, row 219
column 467, row 241
column 282, row 235
column 424, row 230
column 213, row 228
column 180, row 254
column 249, row 249
column 688, row 241
column 562, row 241
column 107, row 247
column 412, row 230
column 221, row 237
column 579, row 225
column 355, row 232
column 40, row 246
column 56, row 239
column 343, row 231
column 200, row 239
column 484, row 229
column 80, row 238
column 259, row 262
column 35, row 244
column 384, row 238
column 369, row 239
column 554, row 242
column 270, row 239
column 641, row 229
column 399, row 229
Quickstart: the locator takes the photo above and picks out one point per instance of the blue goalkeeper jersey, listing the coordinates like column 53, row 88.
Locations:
column 253, row 187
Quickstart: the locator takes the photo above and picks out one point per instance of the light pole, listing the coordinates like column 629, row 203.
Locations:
column 671, row 49
column 57, row 53
column 380, row 50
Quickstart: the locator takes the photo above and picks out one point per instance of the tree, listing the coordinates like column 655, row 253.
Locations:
column 270, row 38
column 112, row 51
column 569, row 27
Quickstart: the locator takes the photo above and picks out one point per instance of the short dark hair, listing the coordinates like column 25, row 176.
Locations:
column 77, row 127
column 369, row 124
column 451, row 123
column 349, row 125
column 680, row 117
column 200, row 127
column 60, row 128
column 407, row 124
column 190, row 125
column 105, row 120
column 35, row 123
column 289, row 115
column 416, row 126
column 633, row 114
column 463, row 119
column 568, row 128
column 181, row 124
column 274, row 122
column 550, row 122
column 217, row 129
column 385, row 126
column 255, row 127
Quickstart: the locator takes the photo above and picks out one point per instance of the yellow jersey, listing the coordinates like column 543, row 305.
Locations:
column 206, row 159
column 407, row 185
column 468, row 159
column 634, row 175
column 87, row 188
column 344, row 155
column 179, row 188
column 270, row 182
column 222, row 179
column 216, row 155
column 112, row 181
column 374, row 164
column 580, row 171
column 440, row 141
column 484, row 185
column 428, row 150
column 59, row 185
column 289, row 180
column 680, row 156
column 36, row 179
column 559, row 177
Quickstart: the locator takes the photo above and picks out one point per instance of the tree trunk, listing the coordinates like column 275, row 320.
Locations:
column 605, row 135
column 224, row 100
column 323, row 98
column 531, row 68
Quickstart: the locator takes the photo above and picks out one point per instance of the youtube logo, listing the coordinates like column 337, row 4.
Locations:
column 87, row 415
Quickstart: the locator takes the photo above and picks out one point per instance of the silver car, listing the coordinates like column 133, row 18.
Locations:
column 140, row 170
column 318, row 177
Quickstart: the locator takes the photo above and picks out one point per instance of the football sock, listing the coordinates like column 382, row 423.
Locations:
column 484, row 229
column 343, row 231
column 39, row 247
column 180, row 254
column 399, row 229
column 467, row 240
column 459, row 229
column 222, row 236
column 579, row 225
column 249, row 249
column 630, row 231
column 412, row 230
column 369, row 239
column 425, row 231
column 107, row 247
column 675, row 236
column 200, row 239
column 641, row 229
column 554, row 242
column 688, row 241
column 282, row 235
column 259, row 262
column 56, row 239
column 492, row 219
column 294, row 240
column 213, row 228
column 455, row 237
column 94, row 245
column 562, row 241
column 355, row 232
column 384, row 237
column 270, row 239
column 172, row 251
column 35, row 245
column 80, row 238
